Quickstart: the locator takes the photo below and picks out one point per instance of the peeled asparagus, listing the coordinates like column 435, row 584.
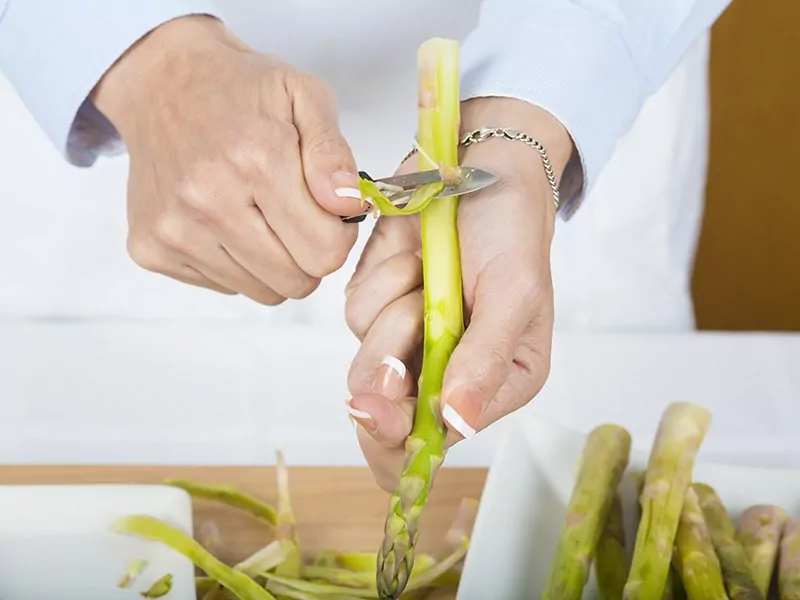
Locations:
column 695, row 558
column 735, row 569
column 669, row 473
column 610, row 560
column 603, row 462
column 760, row 529
column 789, row 567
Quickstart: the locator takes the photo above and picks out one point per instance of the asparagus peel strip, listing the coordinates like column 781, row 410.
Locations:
column 132, row 573
column 789, row 562
column 439, row 119
column 421, row 198
column 680, row 433
column 152, row 529
column 160, row 588
column 604, row 459
column 695, row 557
column 732, row 559
column 610, row 559
column 286, row 531
column 230, row 496
column 760, row 529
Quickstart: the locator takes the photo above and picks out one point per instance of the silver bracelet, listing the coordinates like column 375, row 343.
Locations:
column 481, row 135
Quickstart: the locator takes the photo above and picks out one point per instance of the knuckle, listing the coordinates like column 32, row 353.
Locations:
column 331, row 255
column 143, row 253
column 358, row 377
column 268, row 298
column 301, row 286
column 406, row 318
column 170, row 231
column 497, row 361
column 355, row 317
column 254, row 154
column 194, row 193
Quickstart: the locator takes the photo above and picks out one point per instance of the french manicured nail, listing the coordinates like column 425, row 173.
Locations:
column 390, row 378
column 361, row 417
column 462, row 410
column 345, row 185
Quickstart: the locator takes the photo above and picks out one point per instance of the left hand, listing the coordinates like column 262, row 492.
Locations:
column 505, row 234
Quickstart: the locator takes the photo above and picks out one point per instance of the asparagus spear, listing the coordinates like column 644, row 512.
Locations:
column 669, row 473
column 610, row 564
column 603, row 461
column 673, row 588
column 760, row 529
column 695, row 558
column 732, row 559
column 789, row 566
column 439, row 115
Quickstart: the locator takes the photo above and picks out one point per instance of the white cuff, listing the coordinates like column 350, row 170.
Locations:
column 54, row 53
column 568, row 62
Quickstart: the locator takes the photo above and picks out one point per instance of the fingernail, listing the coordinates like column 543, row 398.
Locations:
column 362, row 417
column 345, row 185
column 461, row 411
column 390, row 378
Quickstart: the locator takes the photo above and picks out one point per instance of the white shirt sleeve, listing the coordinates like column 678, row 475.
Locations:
column 54, row 52
column 590, row 63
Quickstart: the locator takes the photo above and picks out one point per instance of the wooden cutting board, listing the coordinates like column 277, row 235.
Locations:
column 336, row 508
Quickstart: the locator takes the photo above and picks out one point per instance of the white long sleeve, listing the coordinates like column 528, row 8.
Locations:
column 54, row 52
column 590, row 63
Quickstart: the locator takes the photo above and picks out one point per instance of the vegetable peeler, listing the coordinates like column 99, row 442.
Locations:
column 401, row 188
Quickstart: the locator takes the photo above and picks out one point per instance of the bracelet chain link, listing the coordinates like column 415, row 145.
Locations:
column 481, row 135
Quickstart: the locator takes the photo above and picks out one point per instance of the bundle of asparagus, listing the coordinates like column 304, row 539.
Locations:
column 686, row 544
column 278, row 570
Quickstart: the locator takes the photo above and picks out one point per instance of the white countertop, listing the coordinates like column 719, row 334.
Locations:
column 231, row 393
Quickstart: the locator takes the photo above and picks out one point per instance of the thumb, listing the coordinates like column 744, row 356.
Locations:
column 328, row 163
column 484, row 357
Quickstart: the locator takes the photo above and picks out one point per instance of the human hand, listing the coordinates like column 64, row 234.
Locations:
column 503, row 359
column 238, row 171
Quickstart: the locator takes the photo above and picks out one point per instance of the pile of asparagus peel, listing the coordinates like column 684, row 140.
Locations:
column 279, row 570
column 686, row 544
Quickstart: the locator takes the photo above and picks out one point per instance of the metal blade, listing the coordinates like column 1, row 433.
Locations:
column 472, row 180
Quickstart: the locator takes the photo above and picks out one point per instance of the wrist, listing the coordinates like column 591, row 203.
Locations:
column 154, row 61
column 518, row 164
column 522, row 116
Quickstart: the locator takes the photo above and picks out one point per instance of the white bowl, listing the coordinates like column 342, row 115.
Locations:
column 526, row 495
column 55, row 542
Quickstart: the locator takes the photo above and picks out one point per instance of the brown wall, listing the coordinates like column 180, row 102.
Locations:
column 748, row 266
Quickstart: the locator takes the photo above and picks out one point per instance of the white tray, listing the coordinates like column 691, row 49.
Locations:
column 525, row 499
column 55, row 543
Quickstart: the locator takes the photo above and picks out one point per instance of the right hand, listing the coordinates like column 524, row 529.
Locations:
column 238, row 171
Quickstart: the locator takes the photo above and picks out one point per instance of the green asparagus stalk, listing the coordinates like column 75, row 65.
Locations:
column 604, row 459
column 760, row 529
column 673, row 588
column 682, row 428
column 695, row 558
column 735, row 568
column 610, row 560
column 789, row 562
column 439, row 118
